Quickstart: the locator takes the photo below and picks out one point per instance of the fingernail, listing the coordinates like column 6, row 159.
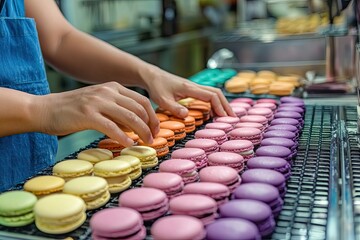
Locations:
column 183, row 112
column 129, row 142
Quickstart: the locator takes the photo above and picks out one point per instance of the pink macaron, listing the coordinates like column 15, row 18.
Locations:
column 267, row 100
column 229, row 159
column 178, row 227
column 117, row 223
column 171, row 183
column 218, row 135
column 255, row 118
column 250, row 125
column 219, row 192
column 240, row 104
column 196, row 205
column 197, row 155
column 208, row 145
column 252, row 134
column 151, row 203
column 243, row 147
column 229, row 120
column 270, row 106
column 221, row 174
column 186, row 169
column 239, row 111
column 245, row 100
column 226, row 127
column 266, row 112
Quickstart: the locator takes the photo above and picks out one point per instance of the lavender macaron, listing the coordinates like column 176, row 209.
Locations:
column 279, row 141
column 274, row 151
column 286, row 121
column 291, row 109
column 274, row 163
column 280, row 134
column 291, row 100
column 293, row 115
column 267, row 176
column 284, row 127
column 255, row 211
column 232, row 228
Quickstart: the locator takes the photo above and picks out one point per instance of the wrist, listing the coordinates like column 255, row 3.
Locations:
column 39, row 113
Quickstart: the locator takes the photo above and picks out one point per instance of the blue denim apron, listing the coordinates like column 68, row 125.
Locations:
column 22, row 68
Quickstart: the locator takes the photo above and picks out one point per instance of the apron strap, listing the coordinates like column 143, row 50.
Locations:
column 2, row 2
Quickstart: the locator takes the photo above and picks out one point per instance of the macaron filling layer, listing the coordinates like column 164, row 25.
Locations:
column 17, row 221
column 139, row 234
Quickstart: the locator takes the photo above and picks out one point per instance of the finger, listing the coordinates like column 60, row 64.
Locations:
column 110, row 129
column 153, row 121
column 223, row 100
column 133, row 106
column 123, row 116
column 174, row 107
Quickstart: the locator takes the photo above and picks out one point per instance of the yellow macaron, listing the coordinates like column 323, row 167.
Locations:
column 44, row 185
column 72, row 168
column 59, row 213
column 147, row 155
column 135, row 163
column 116, row 173
column 95, row 155
column 235, row 86
column 93, row 190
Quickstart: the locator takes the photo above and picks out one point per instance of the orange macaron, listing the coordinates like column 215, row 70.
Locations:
column 177, row 127
column 162, row 117
column 189, row 123
column 168, row 135
column 159, row 144
column 198, row 115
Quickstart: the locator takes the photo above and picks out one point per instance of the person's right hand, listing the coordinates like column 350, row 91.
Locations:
column 105, row 107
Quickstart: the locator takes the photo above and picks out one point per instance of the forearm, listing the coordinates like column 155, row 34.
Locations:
column 91, row 60
column 18, row 113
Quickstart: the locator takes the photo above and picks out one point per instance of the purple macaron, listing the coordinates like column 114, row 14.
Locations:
column 208, row 145
column 279, row 141
column 291, row 100
column 294, row 115
column 262, row 192
column 255, row 211
column 291, row 109
column 274, row 163
column 287, row 121
column 274, row 151
column 293, row 104
column 280, row 134
column 215, row 134
column 268, row 176
column 232, row 228
column 285, row 127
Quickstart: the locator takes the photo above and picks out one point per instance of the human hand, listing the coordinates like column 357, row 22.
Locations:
column 165, row 89
column 105, row 107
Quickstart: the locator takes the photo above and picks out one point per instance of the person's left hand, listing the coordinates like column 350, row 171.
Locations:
column 165, row 89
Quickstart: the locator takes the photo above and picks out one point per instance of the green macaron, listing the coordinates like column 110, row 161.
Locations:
column 16, row 208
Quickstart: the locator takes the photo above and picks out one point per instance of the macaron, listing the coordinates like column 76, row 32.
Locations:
column 147, row 155
column 221, row 174
column 203, row 108
column 266, row 112
column 16, row 208
column 256, row 119
column 252, row 134
column 44, row 185
column 232, row 228
column 168, row 135
column 198, row 115
column 246, row 74
column 285, row 127
column 291, row 100
column 280, row 134
column 268, row 176
column 293, row 104
column 268, row 105
column 114, row 146
column 117, row 223
column 274, row 163
column 279, row 141
column 197, row 155
column 171, row 183
column 266, row 74
column 162, row 117
column 239, row 111
column 208, row 145
column 236, row 86
column 135, row 164
column 293, row 115
column 186, row 169
column 189, row 123
column 240, row 104
column 177, row 127
column 116, row 173
column 229, row 120
column 255, row 211
column 226, row 127
column 151, row 203
column 250, row 125
column 243, row 100
column 286, row 121
column 243, row 147
column 291, row 109
column 72, row 168
column 159, row 144
column 229, row 159
column 196, row 205
column 218, row 135
column 219, row 192
column 178, row 227
column 59, row 213
column 274, row 151
column 95, row 155
column 267, row 100
column 262, row 192
column 93, row 190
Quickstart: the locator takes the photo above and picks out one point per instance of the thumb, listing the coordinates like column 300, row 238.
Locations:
column 175, row 108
